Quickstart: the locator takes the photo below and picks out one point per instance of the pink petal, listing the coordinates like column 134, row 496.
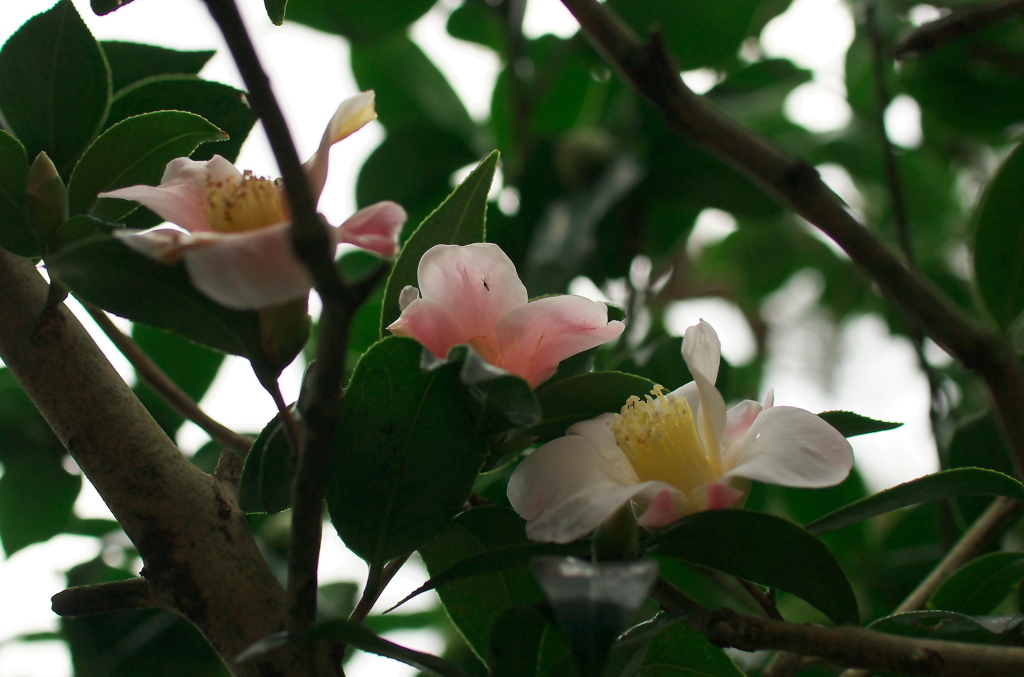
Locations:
column 738, row 420
column 160, row 244
column 352, row 115
column 536, row 337
column 662, row 511
column 250, row 270
column 375, row 228
column 794, row 448
column 430, row 323
column 721, row 496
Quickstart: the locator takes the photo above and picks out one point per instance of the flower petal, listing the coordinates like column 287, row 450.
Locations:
column 375, row 228
column 352, row 115
column 534, row 338
column 160, row 244
column 702, row 354
column 430, row 323
column 794, row 448
column 251, row 270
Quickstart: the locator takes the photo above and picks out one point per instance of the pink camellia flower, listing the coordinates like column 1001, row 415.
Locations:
column 473, row 295
column 236, row 242
column 673, row 455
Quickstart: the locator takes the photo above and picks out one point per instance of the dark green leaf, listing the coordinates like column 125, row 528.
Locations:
column 133, row 152
column 479, row 22
column 406, row 456
column 945, row 484
column 763, row 549
column 523, row 643
column 266, row 482
column 981, row 584
column 54, row 85
column 102, row 7
column 131, row 62
column 954, row 627
column 358, row 21
column 223, row 106
column 999, row 242
column 850, row 424
column 583, row 397
column 674, row 649
column 104, row 272
column 593, row 602
column 276, row 10
column 16, row 233
column 461, row 219
column 499, row 401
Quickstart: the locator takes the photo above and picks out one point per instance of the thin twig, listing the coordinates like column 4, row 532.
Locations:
column 765, row 600
column 169, row 391
column 375, row 585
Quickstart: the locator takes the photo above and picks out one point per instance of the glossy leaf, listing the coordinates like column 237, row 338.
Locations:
column 54, row 85
column 358, row 21
column 406, row 455
column 999, row 242
column 583, row 397
column 763, row 549
column 16, row 233
column 221, row 105
column 981, row 584
column 850, row 424
column 132, row 152
column 461, row 219
column 266, row 482
column 940, row 485
column 954, row 627
column 131, row 62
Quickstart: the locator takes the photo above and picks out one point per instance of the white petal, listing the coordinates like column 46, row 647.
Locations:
column 408, row 294
column 702, row 351
column 794, row 448
column 160, row 244
column 352, row 115
column 702, row 354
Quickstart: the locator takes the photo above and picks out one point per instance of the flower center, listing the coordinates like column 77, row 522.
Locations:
column 660, row 440
column 248, row 203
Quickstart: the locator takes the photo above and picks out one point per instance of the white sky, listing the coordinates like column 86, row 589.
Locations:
column 311, row 76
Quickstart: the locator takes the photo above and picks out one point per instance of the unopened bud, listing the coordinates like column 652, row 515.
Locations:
column 46, row 198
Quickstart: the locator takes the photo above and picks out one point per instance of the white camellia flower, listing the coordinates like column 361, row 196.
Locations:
column 673, row 455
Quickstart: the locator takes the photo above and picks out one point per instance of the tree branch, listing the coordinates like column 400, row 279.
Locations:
column 964, row 21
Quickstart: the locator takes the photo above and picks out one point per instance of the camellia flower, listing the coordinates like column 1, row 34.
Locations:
column 673, row 455
column 237, row 248
column 473, row 295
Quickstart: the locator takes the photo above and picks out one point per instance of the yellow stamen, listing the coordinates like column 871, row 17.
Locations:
column 660, row 440
column 248, row 203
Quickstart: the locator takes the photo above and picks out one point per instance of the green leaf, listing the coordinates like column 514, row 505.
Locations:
column 406, row 456
column 478, row 565
column 54, row 85
column 189, row 365
column 947, row 625
column 102, row 7
column 523, row 643
column 940, row 485
column 131, row 62
column 674, row 649
column 593, row 602
column 358, row 21
column 219, row 104
column 583, row 397
column 104, row 272
column 276, row 10
column 133, row 152
column 999, row 242
column 850, row 424
column 16, row 232
column 763, row 549
column 461, row 219
column 981, row 584
column 266, row 482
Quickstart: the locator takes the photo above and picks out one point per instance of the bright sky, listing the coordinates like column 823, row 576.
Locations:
column 311, row 76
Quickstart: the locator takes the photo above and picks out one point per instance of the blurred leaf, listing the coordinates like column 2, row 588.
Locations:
column 104, row 272
column 978, row 442
column 223, row 106
column 130, row 62
column 583, row 397
column 479, row 22
column 406, row 455
column 54, row 85
column 940, row 485
column 850, row 424
column 763, row 549
column 189, row 365
column 16, row 232
column 593, row 602
column 357, row 21
column 674, row 649
column 266, row 482
column 133, row 152
column 999, row 242
column 102, row 7
column 954, row 627
column 36, row 493
column 461, row 219
column 523, row 643
column 276, row 10
column 411, row 91
column 980, row 585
